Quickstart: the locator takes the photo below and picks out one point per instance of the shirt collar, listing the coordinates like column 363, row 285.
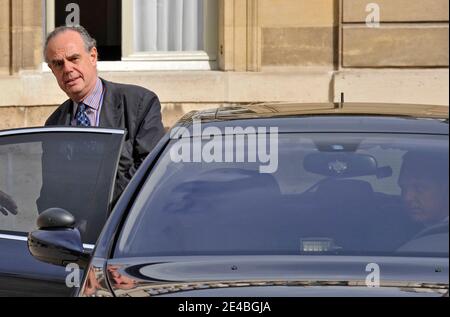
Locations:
column 94, row 98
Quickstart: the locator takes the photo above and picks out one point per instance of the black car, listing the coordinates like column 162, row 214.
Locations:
column 275, row 200
column 45, row 168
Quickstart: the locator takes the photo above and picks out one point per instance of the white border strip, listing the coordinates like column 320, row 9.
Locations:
column 61, row 129
column 25, row 239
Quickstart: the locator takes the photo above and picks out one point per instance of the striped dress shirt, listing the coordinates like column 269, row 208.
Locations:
column 93, row 104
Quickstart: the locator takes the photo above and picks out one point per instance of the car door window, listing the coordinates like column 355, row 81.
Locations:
column 69, row 168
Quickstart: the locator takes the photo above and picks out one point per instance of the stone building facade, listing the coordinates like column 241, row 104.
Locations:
column 255, row 51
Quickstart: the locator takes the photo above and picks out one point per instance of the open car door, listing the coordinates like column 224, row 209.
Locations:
column 56, row 167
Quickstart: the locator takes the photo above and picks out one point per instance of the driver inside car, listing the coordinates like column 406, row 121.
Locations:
column 424, row 184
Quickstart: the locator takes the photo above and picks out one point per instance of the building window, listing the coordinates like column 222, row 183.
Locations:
column 168, row 25
column 146, row 34
column 102, row 18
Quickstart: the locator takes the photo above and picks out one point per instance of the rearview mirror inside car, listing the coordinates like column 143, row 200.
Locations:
column 345, row 164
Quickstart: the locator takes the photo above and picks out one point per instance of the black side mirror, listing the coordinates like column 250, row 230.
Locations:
column 55, row 218
column 57, row 241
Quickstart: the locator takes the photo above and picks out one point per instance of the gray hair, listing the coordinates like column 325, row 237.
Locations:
column 89, row 41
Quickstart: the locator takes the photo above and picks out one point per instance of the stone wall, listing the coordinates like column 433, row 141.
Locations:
column 269, row 50
column 4, row 37
column 35, row 116
column 412, row 33
column 21, row 35
column 299, row 33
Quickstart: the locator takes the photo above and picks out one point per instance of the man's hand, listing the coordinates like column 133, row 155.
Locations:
column 7, row 204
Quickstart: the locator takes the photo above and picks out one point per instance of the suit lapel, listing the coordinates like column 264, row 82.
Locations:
column 111, row 115
column 66, row 115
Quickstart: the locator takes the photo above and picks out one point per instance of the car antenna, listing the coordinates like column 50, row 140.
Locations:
column 340, row 105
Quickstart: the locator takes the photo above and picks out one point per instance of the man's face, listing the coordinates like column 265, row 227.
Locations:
column 424, row 198
column 74, row 68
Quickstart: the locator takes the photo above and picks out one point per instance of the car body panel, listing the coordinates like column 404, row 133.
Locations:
column 310, row 291
column 276, row 276
column 283, row 110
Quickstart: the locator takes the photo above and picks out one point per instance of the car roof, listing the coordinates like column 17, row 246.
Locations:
column 273, row 110
column 324, row 117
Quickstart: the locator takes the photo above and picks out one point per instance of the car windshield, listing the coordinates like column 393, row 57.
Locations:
column 330, row 193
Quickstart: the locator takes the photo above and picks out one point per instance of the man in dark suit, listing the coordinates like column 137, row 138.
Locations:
column 72, row 56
